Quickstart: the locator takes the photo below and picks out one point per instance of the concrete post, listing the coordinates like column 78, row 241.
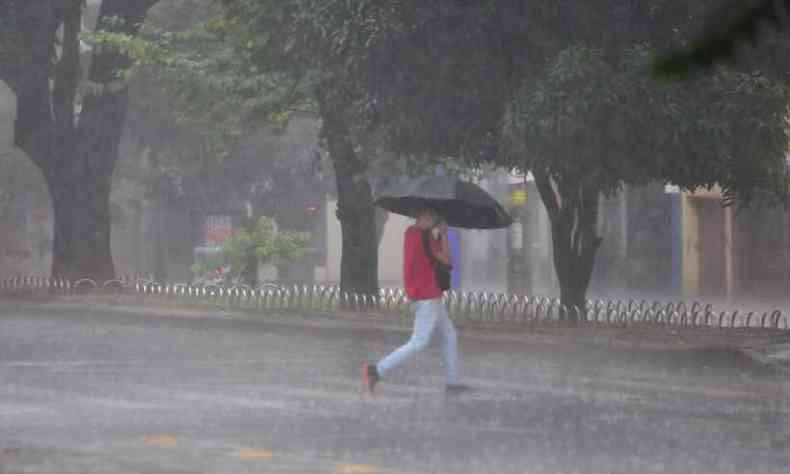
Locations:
column 691, row 247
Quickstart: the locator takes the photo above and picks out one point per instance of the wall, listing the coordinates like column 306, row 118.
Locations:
column 25, row 216
column 485, row 254
column 539, row 253
column 648, row 241
column 390, row 249
column 611, row 262
column 729, row 254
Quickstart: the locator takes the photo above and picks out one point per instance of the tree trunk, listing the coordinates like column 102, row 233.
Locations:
column 77, row 155
column 359, row 258
column 573, row 273
column 250, row 274
column 160, row 241
column 80, row 185
column 355, row 210
column 573, row 212
column 81, row 246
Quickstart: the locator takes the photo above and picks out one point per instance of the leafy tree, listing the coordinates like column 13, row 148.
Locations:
column 584, row 119
column 588, row 126
column 434, row 80
column 265, row 59
column 70, row 129
column 260, row 61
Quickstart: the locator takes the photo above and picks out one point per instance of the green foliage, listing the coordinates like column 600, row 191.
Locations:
column 604, row 121
column 442, row 76
column 203, row 267
column 432, row 81
column 256, row 62
column 187, row 67
column 265, row 243
column 733, row 23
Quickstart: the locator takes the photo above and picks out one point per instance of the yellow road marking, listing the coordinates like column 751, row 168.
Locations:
column 256, row 454
column 160, row 440
column 355, row 469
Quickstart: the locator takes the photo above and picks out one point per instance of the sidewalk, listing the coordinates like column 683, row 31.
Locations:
column 775, row 354
column 104, row 385
column 766, row 346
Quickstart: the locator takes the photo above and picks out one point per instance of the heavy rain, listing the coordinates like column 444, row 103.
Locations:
column 364, row 236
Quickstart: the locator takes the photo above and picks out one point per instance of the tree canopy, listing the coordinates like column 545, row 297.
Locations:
column 426, row 81
column 727, row 27
column 609, row 123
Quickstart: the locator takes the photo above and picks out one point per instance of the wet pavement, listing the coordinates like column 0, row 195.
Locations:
column 100, row 391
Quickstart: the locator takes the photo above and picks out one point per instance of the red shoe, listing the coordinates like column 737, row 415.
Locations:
column 370, row 377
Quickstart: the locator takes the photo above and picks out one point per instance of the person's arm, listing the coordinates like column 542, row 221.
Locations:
column 444, row 254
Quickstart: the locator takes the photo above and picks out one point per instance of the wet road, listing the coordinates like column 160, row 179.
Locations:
column 99, row 392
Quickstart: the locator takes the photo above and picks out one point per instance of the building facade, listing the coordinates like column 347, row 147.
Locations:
column 733, row 254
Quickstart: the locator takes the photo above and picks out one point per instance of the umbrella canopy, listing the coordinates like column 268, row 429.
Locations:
column 459, row 203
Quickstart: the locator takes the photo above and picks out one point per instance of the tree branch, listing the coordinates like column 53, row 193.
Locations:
column 68, row 71
column 105, row 109
column 547, row 193
column 572, row 209
column 33, row 128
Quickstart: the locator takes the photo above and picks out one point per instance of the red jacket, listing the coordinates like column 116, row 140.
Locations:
column 419, row 277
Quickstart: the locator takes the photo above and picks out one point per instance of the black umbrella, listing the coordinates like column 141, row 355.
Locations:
column 459, row 203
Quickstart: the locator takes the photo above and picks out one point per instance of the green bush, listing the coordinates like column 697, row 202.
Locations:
column 265, row 243
column 206, row 265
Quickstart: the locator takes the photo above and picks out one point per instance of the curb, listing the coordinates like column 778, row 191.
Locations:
column 756, row 343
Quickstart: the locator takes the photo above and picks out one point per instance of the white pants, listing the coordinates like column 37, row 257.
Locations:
column 428, row 315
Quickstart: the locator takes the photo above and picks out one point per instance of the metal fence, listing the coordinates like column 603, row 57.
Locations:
column 469, row 306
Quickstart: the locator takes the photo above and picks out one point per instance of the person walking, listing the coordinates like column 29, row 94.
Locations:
column 424, row 291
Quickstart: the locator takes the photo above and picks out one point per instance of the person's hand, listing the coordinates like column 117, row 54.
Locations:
column 442, row 228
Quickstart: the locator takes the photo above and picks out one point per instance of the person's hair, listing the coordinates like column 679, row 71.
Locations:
column 426, row 210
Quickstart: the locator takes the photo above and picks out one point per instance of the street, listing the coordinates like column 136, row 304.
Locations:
column 104, row 391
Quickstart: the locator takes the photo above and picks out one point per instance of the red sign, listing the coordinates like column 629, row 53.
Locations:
column 217, row 229
column 312, row 208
